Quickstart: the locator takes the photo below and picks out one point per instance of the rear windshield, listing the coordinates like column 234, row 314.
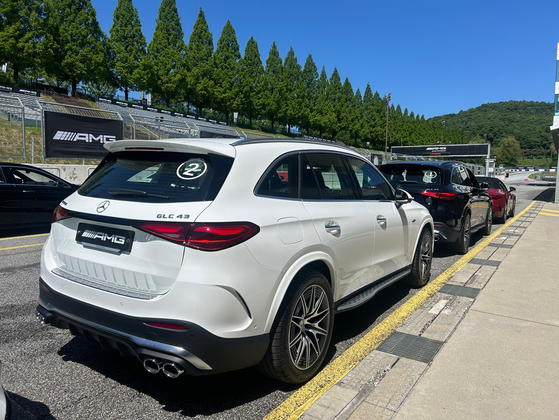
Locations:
column 153, row 177
column 398, row 175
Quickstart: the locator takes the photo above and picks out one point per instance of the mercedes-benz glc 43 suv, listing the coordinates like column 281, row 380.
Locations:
column 205, row 256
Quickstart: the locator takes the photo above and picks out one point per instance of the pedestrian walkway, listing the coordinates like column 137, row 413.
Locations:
column 483, row 346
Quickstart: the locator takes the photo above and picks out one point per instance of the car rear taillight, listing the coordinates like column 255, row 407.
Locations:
column 218, row 236
column 202, row 236
column 59, row 214
column 440, row 195
column 176, row 232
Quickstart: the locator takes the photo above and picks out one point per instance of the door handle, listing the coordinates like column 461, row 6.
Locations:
column 381, row 219
column 333, row 228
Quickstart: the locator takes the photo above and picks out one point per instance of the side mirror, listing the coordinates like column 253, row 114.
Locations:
column 402, row 197
column 484, row 185
column 511, row 189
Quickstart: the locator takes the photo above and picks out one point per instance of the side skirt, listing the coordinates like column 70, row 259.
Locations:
column 367, row 293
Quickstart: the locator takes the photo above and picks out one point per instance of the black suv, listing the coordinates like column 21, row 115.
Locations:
column 450, row 191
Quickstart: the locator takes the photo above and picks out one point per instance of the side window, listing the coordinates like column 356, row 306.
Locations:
column 471, row 180
column 281, row 179
column 29, row 176
column 2, row 177
column 502, row 186
column 372, row 184
column 454, row 178
column 460, row 176
column 330, row 176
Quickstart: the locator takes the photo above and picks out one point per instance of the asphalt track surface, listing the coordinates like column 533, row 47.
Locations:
column 50, row 374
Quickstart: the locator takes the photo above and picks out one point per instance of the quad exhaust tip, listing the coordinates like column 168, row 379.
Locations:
column 170, row 369
column 41, row 318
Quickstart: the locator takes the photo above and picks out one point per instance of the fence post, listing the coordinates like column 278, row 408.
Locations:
column 32, row 150
column 23, row 131
column 43, row 135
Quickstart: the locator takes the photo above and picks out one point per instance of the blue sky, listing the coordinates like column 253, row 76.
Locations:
column 435, row 56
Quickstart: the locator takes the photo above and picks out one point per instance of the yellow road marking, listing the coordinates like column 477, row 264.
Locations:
column 549, row 210
column 548, row 214
column 304, row 397
column 21, row 246
column 21, row 237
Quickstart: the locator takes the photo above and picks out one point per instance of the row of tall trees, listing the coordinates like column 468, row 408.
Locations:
column 61, row 42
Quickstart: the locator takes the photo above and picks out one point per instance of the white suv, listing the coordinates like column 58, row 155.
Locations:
column 209, row 255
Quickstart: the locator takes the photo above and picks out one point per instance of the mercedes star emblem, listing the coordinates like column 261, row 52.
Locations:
column 103, row 206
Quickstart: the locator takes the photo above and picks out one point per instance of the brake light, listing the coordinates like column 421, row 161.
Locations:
column 440, row 195
column 218, row 236
column 202, row 236
column 59, row 214
column 176, row 232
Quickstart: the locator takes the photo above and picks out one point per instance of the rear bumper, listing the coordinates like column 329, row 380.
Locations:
column 196, row 350
column 445, row 233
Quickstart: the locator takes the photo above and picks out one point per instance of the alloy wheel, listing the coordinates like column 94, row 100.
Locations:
column 309, row 326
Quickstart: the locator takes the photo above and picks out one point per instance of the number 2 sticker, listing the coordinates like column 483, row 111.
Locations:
column 192, row 169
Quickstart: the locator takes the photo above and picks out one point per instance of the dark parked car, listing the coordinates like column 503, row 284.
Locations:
column 5, row 407
column 29, row 195
column 504, row 201
column 450, row 191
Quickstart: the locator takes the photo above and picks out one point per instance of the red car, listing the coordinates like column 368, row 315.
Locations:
column 504, row 201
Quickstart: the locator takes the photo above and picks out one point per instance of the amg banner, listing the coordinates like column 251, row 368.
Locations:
column 450, row 150
column 77, row 136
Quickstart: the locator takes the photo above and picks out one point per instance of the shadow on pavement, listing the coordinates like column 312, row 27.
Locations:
column 33, row 409
column 547, row 195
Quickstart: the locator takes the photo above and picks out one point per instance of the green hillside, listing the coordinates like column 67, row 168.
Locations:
column 527, row 122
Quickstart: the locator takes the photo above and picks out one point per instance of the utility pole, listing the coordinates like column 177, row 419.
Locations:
column 387, row 111
column 442, row 134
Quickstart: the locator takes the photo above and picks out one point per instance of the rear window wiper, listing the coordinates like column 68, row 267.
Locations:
column 124, row 191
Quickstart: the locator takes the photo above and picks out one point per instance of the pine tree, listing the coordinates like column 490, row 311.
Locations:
column 199, row 56
column 74, row 48
column 20, row 31
column 128, row 46
column 334, row 95
column 355, row 130
column 368, row 115
column 291, row 103
column 251, row 77
column 323, row 109
column 226, row 69
column 347, row 118
column 309, row 79
column 164, row 63
column 272, row 85
column 378, row 123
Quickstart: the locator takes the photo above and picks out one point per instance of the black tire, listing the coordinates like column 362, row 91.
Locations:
column 302, row 336
column 463, row 243
column 503, row 218
column 422, row 260
column 488, row 222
